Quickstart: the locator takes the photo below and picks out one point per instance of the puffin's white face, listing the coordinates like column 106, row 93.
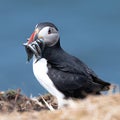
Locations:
column 49, row 35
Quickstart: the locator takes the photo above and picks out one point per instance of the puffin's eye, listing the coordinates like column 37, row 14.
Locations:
column 49, row 31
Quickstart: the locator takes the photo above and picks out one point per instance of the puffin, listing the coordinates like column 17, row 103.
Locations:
column 61, row 74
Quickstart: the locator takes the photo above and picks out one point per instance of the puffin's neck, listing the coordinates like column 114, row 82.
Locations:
column 51, row 53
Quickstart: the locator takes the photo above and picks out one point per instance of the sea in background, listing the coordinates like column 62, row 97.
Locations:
column 89, row 30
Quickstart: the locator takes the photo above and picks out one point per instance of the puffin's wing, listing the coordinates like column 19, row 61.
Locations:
column 66, row 81
column 77, row 66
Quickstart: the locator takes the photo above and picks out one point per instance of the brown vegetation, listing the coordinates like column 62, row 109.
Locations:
column 14, row 106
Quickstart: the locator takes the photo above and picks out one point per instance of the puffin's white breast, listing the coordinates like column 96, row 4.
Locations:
column 40, row 71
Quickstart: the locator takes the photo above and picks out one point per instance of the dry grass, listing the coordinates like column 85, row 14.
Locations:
column 93, row 108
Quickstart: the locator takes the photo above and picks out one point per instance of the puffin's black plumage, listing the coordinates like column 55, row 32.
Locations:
column 70, row 75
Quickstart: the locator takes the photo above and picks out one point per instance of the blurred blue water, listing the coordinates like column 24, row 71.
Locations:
column 89, row 30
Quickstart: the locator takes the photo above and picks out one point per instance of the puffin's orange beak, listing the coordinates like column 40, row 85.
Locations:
column 31, row 39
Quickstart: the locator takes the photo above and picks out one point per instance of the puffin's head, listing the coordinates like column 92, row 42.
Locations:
column 45, row 33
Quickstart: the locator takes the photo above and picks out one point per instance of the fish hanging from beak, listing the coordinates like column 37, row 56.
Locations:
column 34, row 48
